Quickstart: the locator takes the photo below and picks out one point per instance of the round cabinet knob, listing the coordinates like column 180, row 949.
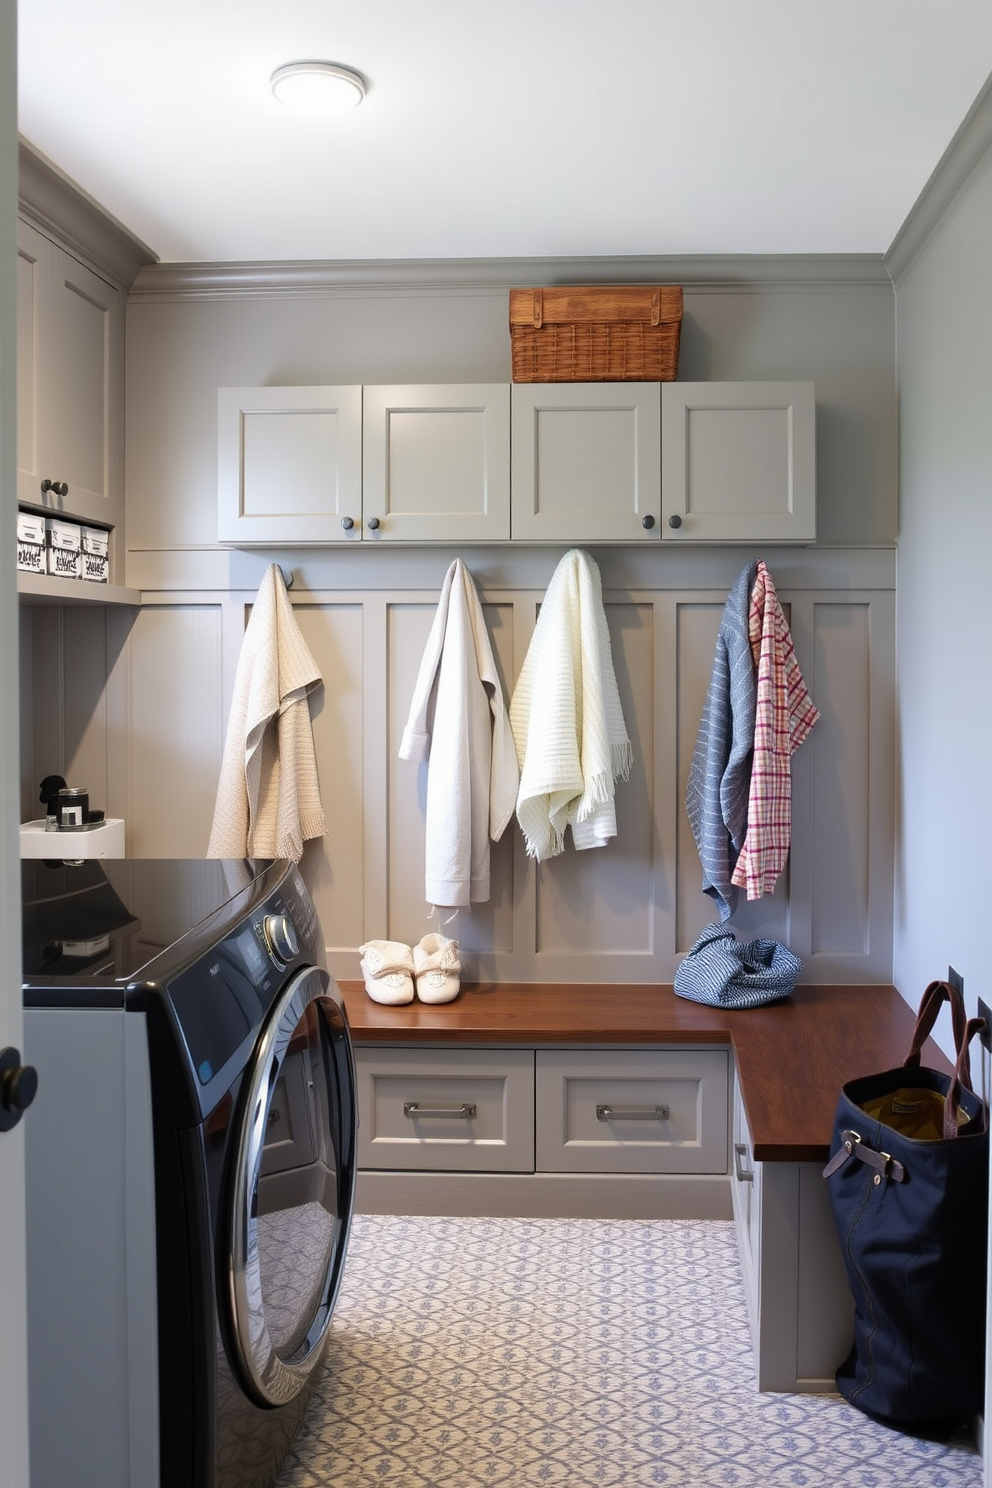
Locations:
column 280, row 937
column 647, row 522
column 18, row 1088
column 347, row 523
column 675, row 520
column 373, row 524
column 61, row 488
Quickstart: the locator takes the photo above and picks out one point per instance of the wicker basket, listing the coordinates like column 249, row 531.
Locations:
column 596, row 333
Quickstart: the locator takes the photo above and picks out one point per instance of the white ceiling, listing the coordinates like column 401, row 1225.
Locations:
column 499, row 128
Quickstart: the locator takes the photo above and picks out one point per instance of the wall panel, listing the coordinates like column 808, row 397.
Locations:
column 334, row 866
column 175, row 728
column 623, row 913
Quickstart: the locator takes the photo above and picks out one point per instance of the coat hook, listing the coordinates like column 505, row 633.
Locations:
column 287, row 578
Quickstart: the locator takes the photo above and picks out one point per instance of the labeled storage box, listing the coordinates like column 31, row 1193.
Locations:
column 596, row 333
column 96, row 554
column 31, row 554
column 65, row 556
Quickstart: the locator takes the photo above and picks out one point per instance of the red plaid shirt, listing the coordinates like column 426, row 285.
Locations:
column 785, row 714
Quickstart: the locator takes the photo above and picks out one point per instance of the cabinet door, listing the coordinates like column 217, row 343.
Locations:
column 436, row 464
column 289, row 465
column 738, row 462
column 35, row 358
column 87, row 441
column 586, row 462
column 745, row 1179
column 69, row 383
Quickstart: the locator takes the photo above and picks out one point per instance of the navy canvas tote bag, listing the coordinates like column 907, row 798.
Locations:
column 908, row 1182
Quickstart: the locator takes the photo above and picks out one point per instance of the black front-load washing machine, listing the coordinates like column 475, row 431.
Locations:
column 190, row 1168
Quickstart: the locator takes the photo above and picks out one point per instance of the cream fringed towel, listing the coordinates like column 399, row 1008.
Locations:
column 268, row 798
column 568, row 726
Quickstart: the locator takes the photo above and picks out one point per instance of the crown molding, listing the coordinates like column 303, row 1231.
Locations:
column 715, row 273
column 52, row 202
column 966, row 157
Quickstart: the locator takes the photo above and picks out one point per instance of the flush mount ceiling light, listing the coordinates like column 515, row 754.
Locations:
column 321, row 89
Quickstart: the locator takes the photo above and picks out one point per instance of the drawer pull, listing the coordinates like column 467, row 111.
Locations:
column 744, row 1175
column 464, row 1112
column 632, row 1113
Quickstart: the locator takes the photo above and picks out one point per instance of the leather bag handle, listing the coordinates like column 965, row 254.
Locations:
column 930, row 1005
column 961, row 1068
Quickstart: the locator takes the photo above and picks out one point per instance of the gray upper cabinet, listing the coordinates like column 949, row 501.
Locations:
column 70, row 383
column 536, row 462
column 289, row 465
column 322, row 465
column 436, row 464
column 585, row 464
column 738, row 462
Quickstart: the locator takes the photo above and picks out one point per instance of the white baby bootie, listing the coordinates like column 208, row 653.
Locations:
column 387, row 966
column 437, row 968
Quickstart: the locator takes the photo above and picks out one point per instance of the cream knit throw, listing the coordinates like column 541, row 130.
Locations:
column 268, row 798
column 568, row 726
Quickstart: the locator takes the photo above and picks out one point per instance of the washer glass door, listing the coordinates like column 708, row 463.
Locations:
column 293, row 1190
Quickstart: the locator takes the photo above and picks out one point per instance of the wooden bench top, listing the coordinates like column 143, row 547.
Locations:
column 792, row 1056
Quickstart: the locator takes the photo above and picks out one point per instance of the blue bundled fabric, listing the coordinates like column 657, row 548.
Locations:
column 724, row 972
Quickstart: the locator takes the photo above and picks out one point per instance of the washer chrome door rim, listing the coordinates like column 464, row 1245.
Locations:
column 274, row 1380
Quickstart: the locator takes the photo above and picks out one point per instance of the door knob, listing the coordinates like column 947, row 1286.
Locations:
column 372, row 524
column 675, row 520
column 18, row 1087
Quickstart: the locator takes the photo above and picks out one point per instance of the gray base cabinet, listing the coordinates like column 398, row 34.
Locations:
column 799, row 1303
column 612, row 1133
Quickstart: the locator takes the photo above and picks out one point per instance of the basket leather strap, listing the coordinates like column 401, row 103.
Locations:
column 538, row 311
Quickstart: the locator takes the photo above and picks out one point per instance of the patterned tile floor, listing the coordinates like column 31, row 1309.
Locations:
column 520, row 1352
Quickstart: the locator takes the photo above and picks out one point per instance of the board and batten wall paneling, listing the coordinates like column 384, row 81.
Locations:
column 337, row 866
column 486, row 932
column 625, row 912
column 851, row 792
column 175, row 728
column 594, row 914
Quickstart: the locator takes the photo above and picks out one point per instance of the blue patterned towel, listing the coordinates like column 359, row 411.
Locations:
column 716, row 794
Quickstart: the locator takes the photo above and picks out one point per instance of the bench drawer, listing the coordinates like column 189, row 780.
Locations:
column 467, row 1109
column 660, row 1111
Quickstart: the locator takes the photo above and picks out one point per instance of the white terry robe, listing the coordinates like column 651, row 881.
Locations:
column 568, row 725
column 268, row 797
column 458, row 721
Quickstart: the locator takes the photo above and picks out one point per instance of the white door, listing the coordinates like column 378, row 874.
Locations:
column 13, row 1334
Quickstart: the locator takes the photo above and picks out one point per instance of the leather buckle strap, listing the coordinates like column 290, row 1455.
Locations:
column 853, row 1146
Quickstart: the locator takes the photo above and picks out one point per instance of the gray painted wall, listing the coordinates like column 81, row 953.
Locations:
column 837, row 331
column 944, row 338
